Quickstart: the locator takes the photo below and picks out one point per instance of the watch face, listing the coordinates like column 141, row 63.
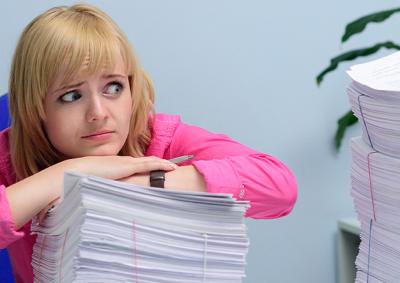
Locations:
column 157, row 175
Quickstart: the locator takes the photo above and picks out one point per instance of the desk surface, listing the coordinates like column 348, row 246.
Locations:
column 351, row 225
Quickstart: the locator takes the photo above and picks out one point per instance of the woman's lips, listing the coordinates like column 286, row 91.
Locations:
column 99, row 136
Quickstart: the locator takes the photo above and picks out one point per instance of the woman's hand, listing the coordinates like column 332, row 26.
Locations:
column 184, row 178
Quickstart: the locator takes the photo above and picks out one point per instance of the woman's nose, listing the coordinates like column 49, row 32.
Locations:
column 96, row 109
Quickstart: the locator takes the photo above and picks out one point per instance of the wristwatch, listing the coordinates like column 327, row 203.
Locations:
column 157, row 178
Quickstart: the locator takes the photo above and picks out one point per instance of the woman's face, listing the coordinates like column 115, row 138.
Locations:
column 89, row 116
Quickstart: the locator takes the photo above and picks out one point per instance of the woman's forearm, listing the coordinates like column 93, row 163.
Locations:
column 184, row 178
column 33, row 194
column 29, row 196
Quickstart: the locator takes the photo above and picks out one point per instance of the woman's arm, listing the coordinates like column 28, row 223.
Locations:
column 259, row 178
column 29, row 196
column 230, row 167
column 222, row 165
column 184, row 178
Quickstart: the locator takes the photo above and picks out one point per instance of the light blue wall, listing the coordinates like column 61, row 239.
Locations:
column 247, row 68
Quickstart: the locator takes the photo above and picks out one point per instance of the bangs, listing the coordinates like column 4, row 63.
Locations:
column 83, row 46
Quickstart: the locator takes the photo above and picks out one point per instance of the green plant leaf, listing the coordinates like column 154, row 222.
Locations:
column 353, row 54
column 359, row 25
column 343, row 123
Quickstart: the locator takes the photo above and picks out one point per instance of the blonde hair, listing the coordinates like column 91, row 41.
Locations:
column 66, row 36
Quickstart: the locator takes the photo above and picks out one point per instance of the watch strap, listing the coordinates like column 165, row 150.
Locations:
column 157, row 178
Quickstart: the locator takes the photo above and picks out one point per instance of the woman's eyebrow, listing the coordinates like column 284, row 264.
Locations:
column 110, row 76
column 76, row 85
column 69, row 87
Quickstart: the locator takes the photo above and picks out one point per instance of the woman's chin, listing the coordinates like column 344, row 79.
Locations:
column 100, row 151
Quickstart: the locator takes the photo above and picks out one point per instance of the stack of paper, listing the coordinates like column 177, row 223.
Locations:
column 375, row 98
column 376, row 194
column 108, row 231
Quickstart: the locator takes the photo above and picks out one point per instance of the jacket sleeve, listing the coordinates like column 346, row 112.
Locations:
column 8, row 232
column 230, row 167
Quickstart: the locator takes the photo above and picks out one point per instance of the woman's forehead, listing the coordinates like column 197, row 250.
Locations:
column 83, row 62
column 86, row 70
column 106, row 66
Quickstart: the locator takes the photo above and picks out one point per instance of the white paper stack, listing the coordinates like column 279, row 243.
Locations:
column 108, row 231
column 375, row 172
column 376, row 195
column 375, row 98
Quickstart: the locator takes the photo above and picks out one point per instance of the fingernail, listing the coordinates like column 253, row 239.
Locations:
column 173, row 165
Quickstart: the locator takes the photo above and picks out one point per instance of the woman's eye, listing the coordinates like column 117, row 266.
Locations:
column 70, row 96
column 114, row 88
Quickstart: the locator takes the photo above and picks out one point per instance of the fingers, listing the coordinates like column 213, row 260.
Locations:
column 117, row 167
column 147, row 164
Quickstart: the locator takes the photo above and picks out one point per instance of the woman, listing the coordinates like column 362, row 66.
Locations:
column 80, row 101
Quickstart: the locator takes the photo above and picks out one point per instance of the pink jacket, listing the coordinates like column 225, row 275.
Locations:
column 227, row 166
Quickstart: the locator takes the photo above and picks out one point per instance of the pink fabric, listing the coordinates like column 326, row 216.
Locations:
column 226, row 165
